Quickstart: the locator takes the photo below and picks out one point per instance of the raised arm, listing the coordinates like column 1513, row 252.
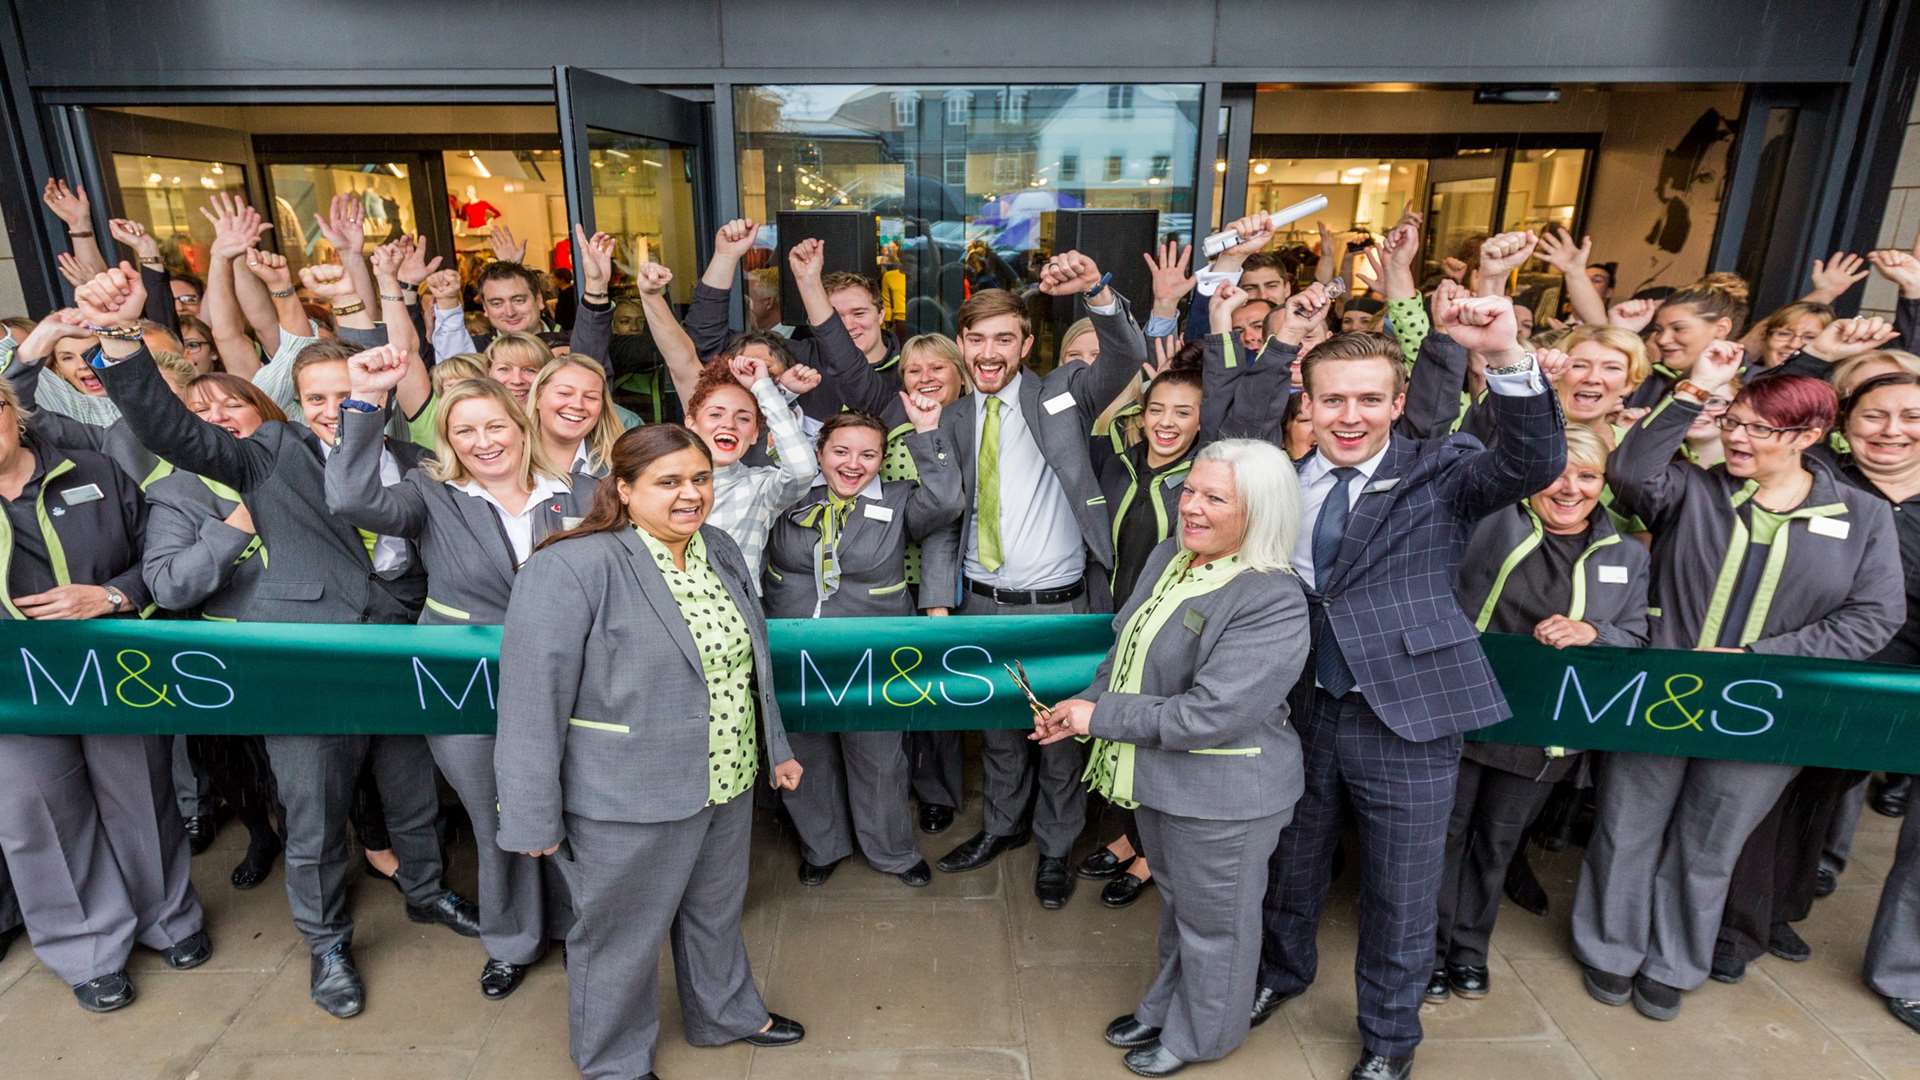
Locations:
column 237, row 228
column 851, row 376
column 1645, row 479
column 1500, row 256
column 153, row 271
column 1531, row 449
column 1831, row 279
column 592, row 333
column 677, row 349
column 797, row 464
column 1558, row 250
column 354, row 490
column 1171, row 281
column 707, row 315
column 397, row 304
column 449, row 336
column 1902, row 268
column 1438, row 378
column 71, row 206
column 1123, row 348
column 345, row 228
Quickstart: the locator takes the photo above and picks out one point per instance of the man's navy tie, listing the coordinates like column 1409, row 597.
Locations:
column 1330, row 665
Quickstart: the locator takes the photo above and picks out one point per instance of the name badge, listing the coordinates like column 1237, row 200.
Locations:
column 1380, row 485
column 1613, row 575
column 1175, row 480
column 877, row 512
column 570, row 522
column 87, row 493
column 1826, row 526
column 1194, row 621
column 1057, row 404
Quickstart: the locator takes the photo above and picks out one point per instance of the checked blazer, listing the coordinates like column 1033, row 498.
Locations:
column 1389, row 596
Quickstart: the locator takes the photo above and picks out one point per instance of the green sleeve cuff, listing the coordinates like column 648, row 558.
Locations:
column 1410, row 324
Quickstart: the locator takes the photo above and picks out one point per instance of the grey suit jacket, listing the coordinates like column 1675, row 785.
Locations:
column 1215, row 679
column 1063, row 440
column 194, row 559
column 468, row 558
column 603, row 703
column 873, row 547
column 319, row 571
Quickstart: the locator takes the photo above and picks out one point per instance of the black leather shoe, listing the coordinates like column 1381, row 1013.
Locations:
column 1472, row 983
column 392, row 879
column 1905, row 1010
column 1439, row 989
column 499, row 978
column 1784, row 943
column 1373, row 1066
column 1126, row 1033
column 255, row 868
column 784, row 1032
column 1101, row 865
column 1152, row 1060
column 8, row 937
column 1052, row 883
column 1824, row 882
column 812, row 874
column 201, row 830
column 1727, row 968
column 191, row 953
column 1605, row 987
column 106, row 993
column 451, row 910
column 1265, row 1003
column 1655, row 1000
column 1124, row 890
column 935, row 818
column 1890, row 798
column 334, row 983
column 979, row 850
column 917, row 876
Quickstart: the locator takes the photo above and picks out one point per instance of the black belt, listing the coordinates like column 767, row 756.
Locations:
column 1023, row 597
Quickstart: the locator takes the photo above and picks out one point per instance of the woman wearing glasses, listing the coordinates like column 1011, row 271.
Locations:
column 1789, row 330
column 1766, row 552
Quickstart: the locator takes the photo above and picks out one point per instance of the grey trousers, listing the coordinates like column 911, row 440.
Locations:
column 1893, row 949
column 939, row 760
column 634, row 884
column 1491, row 811
column 316, row 775
column 1212, row 879
column 1654, row 883
column 94, row 846
column 190, row 785
column 1022, row 776
column 856, row 785
column 514, row 915
column 1845, row 820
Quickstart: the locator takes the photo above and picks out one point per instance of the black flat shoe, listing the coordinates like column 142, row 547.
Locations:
column 784, row 1032
column 813, row 875
column 451, row 910
column 1654, row 999
column 1905, row 1010
column 1727, row 968
column 979, row 850
column 1380, row 1067
column 1126, row 1033
column 191, row 953
column 1052, row 883
column 1786, row 944
column 256, row 867
column 1265, row 1003
column 1124, row 890
column 8, row 937
column 499, row 978
column 1471, row 983
column 1824, row 882
column 1605, row 987
column 1439, row 988
column 1101, row 865
column 935, row 818
column 1152, row 1060
column 201, row 831
column 917, row 876
column 106, row 993
column 334, row 983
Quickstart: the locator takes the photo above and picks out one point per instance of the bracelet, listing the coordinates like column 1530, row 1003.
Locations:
column 83, row 234
column 280, row 294
column 354, row 308
column 153, row 264
column 391, row 298
column 593, row 299
column 129, row 332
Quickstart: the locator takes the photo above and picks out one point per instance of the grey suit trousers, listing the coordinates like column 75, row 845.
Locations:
column 1655, row 879
column 1021, row 775
column 316, row 775
column 190, row 785
column 634, row 884
column 1893, row 949
column 1213, row 878
column 95, row 849
column 514, row 916
column 1845, row 820
column 856, row 785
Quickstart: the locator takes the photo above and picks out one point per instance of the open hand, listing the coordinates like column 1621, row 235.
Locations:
column 69, row 204
column 505, row 248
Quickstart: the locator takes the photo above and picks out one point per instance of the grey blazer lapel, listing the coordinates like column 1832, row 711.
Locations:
column 484, row 523
column 654, row 588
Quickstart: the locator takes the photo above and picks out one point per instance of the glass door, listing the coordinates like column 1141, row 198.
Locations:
column 160, row 173
column 633, row 164
column 1463, row 197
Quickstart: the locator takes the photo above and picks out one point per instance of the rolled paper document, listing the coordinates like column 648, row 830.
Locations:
column 1211, row 246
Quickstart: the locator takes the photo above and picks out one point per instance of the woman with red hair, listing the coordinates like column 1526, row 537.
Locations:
column 1766, row 552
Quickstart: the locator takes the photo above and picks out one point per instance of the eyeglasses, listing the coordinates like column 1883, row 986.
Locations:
column 1714, row 406
column 185, row 298
column 193, row 344
column 1798, row 337
column 1757, row 430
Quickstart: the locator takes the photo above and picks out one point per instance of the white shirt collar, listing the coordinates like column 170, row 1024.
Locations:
column 1318, row 466
column 544, row 487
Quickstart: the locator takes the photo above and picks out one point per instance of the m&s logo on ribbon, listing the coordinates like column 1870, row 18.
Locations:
column 957, row 680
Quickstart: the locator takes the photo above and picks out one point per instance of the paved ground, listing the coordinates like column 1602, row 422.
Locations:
column 967, row 980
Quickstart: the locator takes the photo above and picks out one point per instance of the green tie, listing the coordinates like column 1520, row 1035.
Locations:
column 368, row 540
column 987, row 517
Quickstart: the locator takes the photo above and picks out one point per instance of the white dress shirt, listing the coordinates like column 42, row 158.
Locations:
column 1040, row 542
column 519, row 527
column 389, row 552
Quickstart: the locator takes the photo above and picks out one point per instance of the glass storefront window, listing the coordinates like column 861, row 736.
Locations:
column 166, row 195
column 303, row 191
column 643, row 193
column 1543, row 192
column 961, row 178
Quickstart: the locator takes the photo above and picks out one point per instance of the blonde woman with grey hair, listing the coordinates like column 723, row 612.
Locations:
column 1188, row 717
column 476, row 513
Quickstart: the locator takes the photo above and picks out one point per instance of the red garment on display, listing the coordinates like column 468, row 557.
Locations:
column 563, row 254
column 479, row 212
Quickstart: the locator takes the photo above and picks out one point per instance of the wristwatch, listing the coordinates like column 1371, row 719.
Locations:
column 117, row 598
column 1691, row 390
column 359, row 406
column 1527, row 363
column 1098, row 286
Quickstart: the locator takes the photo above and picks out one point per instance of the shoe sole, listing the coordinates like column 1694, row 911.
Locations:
column 1651, row 1011
column 1118, row 1045
column 1470, row 995
column 1801, row 959
column 1603, row 996
column 97, row 1010
column 348, row 1015
column 1902, row 1017
column 1436, row 999
column 1105, row 875
column 429, row 920
column 190, row 964
column 1730, row 980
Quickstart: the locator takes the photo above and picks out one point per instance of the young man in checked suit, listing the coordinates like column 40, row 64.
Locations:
column 1397, row 675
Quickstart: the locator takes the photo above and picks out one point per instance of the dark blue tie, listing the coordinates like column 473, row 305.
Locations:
column 1329, row 664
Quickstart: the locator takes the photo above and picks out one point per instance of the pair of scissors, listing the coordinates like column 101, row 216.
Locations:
column 1019, row 673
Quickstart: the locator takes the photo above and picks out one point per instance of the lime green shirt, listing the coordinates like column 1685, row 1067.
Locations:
column 726, row 659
